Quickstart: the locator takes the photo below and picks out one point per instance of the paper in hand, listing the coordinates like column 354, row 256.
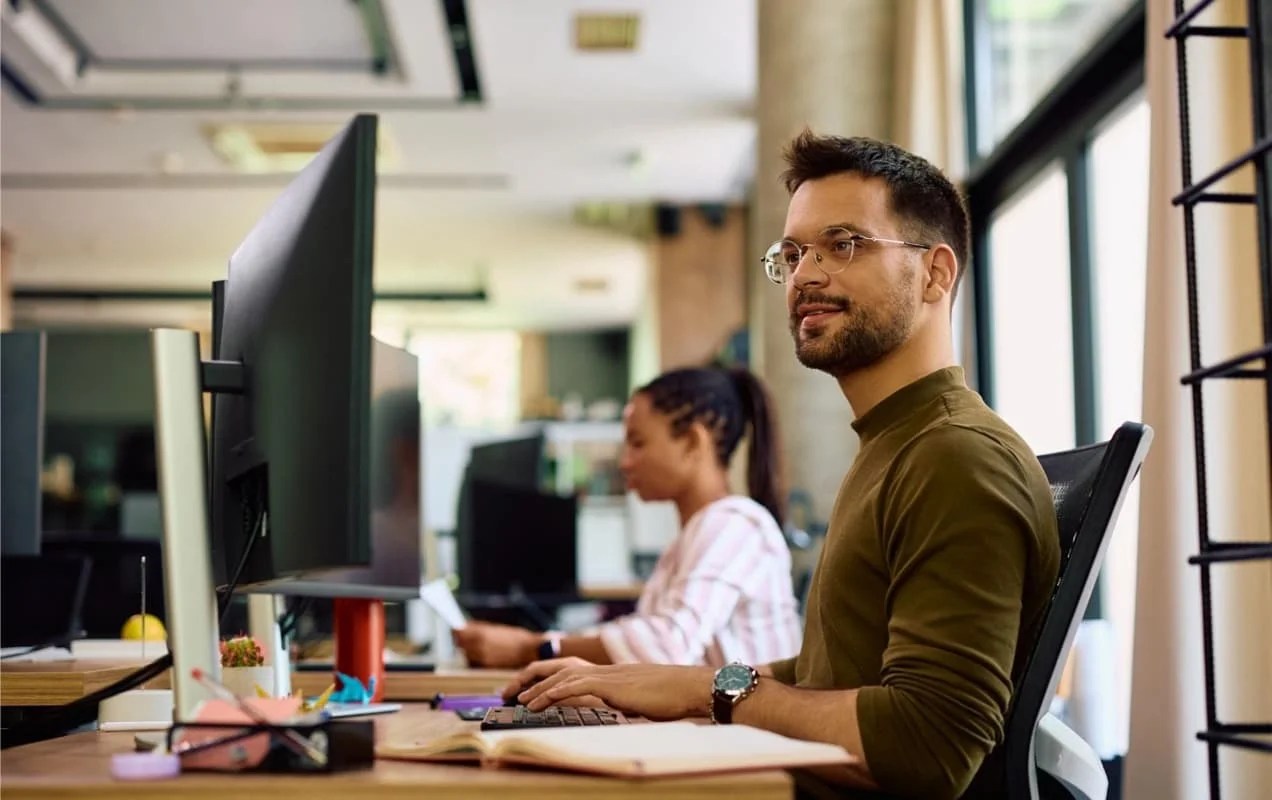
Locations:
column 438, row 596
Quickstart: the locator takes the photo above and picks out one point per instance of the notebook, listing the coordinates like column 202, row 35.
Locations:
column 641, row 750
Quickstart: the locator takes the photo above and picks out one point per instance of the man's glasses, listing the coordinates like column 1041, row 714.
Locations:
column 832, row 252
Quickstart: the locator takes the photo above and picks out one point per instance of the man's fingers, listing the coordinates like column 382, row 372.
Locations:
column 583, row 701
column 532, row 675
column 536, row 690
column 570, row 687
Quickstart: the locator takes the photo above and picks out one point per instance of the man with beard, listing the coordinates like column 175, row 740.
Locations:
column 942, row 550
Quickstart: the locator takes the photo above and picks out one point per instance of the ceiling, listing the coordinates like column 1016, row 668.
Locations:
column 495, row 130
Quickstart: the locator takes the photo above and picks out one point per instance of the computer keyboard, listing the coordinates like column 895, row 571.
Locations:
column 519, row 717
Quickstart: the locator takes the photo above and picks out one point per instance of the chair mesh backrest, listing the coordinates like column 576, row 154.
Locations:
column 1087, row 485
column 1072, row 475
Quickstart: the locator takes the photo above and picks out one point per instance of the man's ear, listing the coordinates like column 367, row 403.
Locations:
column 942, row 271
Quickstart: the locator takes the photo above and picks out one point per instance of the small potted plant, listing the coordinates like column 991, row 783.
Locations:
column 243, row 666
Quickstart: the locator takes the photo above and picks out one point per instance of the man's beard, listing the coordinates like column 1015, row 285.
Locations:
column 861, row 339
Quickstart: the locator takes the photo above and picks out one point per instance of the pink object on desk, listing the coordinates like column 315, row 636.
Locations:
column 235, row 755
column 144, row 766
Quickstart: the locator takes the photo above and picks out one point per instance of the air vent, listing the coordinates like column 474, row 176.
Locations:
column 600, row 32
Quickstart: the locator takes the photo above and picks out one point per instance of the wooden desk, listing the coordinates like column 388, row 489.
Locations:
column 55, row 683
column 612, row 591
column 79, row 766
column 419, row 686
column 51, row 683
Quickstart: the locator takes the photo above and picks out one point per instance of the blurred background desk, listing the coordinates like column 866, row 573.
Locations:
column 31, row 684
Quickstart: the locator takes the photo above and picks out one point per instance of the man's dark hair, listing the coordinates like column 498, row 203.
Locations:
column 931, row 210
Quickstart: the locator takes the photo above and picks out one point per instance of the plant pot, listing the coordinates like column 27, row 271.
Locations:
column 244, row 680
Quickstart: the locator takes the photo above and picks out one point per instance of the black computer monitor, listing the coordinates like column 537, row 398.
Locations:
column 22, row 361
column 516, row 463
column 42, row 599
column 524, row 542
column 115, row 582
column 396, row 522
column 291, row 453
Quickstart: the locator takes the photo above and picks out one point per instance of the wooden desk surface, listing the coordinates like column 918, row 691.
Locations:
column 55, row 683
column 418, row 686
column 79, row 766
column 50, row 683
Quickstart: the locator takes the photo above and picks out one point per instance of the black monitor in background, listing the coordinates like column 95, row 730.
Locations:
column 22, row 362
column 114, row 584
column 41, row 598
column 509, row 462
column 512, row 462
column 291, row 454
column 523, row 541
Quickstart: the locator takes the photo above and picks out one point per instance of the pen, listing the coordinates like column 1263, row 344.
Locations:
column 299, row 744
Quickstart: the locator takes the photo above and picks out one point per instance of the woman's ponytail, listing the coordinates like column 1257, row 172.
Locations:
column 763, row 470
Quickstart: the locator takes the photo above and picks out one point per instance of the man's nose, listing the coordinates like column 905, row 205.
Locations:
column 808, row 271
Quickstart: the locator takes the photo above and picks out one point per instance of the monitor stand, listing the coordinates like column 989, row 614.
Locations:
column 263, row 613
column 187, row 560
column 193, row 630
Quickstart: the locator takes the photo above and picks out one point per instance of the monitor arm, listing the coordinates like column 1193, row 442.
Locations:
column 222, row 377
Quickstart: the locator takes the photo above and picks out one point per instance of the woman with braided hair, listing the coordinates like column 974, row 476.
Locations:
column 722, row 590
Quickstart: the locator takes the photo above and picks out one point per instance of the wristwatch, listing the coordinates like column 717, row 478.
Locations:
column 732, row 683
column 550, row 647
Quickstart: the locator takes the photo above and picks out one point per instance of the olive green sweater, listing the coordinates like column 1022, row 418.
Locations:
column 939, row 561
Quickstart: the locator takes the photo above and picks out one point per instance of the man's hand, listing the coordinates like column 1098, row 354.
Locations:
column 489, row 645
column 646, row 690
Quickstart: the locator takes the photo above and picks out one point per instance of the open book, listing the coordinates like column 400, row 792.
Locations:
column 639, row 750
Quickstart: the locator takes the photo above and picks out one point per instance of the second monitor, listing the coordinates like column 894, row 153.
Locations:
column 521, row 540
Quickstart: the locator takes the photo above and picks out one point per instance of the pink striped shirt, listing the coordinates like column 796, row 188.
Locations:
column 720, row 593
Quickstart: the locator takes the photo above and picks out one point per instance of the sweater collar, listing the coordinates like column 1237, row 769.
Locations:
column 904, row 401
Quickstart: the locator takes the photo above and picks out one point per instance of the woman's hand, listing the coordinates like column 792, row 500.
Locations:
column 487, row 644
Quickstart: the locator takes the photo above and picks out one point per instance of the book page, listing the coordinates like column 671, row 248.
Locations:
column 666, row 748
column 461, row 746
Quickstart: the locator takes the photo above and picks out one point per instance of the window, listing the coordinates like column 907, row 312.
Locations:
column 1119, row 238
column 1119, row 259
column 1058, row 139
column 1032, row 323
column 1028, row 45
column 469, row 379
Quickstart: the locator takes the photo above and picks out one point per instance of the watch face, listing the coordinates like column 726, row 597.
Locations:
column 733, row 678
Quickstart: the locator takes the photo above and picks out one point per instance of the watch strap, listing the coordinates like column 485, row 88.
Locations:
column 721, row 708
column 549, row 648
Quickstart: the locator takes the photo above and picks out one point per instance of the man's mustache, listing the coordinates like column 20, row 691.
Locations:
column 814, row 298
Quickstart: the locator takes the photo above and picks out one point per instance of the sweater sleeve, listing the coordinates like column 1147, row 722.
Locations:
column 784, row 671
column 957, row 542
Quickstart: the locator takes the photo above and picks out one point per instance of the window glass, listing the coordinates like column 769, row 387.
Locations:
column 1119, row 260
column 1031, row 313
column 1024, row 46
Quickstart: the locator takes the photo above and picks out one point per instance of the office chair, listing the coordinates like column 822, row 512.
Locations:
column 1088, row 485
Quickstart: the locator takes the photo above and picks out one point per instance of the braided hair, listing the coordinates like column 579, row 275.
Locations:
column 725, row 401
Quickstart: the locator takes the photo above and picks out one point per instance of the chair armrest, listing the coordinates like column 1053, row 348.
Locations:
column 1065, row 756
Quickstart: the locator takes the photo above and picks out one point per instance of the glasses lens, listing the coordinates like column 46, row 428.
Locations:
column 838, row 245
column 779, row 261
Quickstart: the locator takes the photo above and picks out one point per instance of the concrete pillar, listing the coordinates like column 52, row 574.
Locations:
column 535, row 399
column 828, row 65
column 700, row 285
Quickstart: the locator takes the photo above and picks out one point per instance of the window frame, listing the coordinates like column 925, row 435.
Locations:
column 1060, row 127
